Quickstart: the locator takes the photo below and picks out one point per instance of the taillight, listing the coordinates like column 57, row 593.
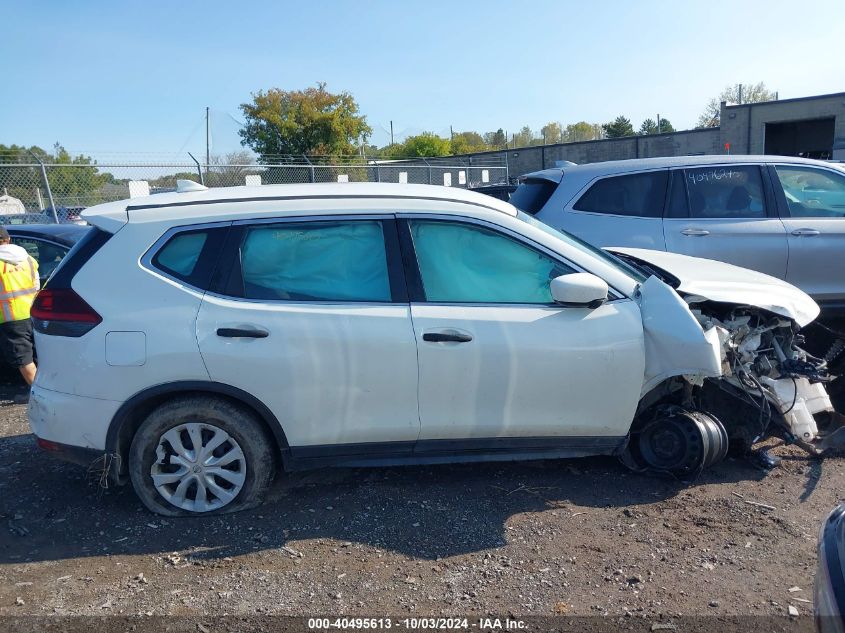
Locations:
column 62, row 312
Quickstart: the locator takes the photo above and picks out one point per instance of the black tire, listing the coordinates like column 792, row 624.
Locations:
column 257, row 467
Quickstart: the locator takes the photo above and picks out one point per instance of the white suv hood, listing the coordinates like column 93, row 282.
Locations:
column 726, row 283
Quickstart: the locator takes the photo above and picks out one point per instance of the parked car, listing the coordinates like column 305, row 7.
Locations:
column 779, row 215
column 228, row 332
column 46, row 243
column 829, row 589
column 500, row 191
column 65, row 214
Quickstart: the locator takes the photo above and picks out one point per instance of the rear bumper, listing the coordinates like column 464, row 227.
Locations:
column 73, row 454
column 70, row 420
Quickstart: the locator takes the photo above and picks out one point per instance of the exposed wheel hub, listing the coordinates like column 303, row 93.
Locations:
column 677, row 441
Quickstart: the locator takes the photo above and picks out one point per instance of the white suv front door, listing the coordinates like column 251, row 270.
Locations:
column 498, row 359
column 314, row 323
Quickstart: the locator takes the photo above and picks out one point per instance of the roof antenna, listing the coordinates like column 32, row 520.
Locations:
column 183, row 186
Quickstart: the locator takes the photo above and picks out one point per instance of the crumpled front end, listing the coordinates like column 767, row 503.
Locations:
column 719, row 374
column 765, row 367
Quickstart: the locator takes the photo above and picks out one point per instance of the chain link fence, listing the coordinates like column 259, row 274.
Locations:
column 37, row 193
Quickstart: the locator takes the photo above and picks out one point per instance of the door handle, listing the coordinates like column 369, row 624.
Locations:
column 805, row 232
column 233, row 332
column 447, row 337
column 695, row 232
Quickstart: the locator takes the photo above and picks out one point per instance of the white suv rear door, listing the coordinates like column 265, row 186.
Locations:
column 313, row 320
column 726, row 213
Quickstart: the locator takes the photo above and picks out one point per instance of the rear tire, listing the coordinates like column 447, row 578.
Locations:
column 675, row 441
column 201, row 455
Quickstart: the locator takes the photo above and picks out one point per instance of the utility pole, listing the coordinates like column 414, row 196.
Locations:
column 740, row 94
column 451, row 134
column 207, row 139
column 658, row 124
column 391, row 133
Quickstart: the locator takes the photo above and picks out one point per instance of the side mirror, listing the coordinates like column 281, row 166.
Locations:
column 579, row 290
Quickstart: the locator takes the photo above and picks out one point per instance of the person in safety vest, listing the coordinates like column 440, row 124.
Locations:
column 19, row 284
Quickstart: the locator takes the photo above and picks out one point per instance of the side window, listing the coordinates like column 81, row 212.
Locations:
column 725, row 192
column 48, row 255
column 191, row 255
column 677, row 206
column 316, row 261
column 812, row 193
column 462, row 263
column 639, row 195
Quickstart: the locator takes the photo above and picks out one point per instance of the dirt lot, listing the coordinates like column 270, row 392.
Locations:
column 581, row 537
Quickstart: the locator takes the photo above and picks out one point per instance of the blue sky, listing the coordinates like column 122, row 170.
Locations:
column 109, row 77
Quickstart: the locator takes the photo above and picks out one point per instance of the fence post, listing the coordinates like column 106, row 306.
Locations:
column 47, row 185
column 199, row 169
column 429, row 170
column 313, row 178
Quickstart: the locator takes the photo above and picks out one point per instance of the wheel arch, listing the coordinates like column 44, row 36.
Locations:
column 133, row 411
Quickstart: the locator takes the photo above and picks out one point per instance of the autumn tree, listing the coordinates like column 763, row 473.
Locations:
column 421, row 145
column 313, row 121
column 582, row 131
column 467, row 143
column 552, row 132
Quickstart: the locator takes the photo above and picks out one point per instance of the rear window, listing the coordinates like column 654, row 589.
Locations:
column 639, row 195
column 191, row 255
column 532, row 194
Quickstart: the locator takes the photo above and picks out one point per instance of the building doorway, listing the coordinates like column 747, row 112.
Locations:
column 809, row 139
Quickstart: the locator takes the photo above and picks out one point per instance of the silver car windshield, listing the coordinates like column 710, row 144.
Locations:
column 622, row 266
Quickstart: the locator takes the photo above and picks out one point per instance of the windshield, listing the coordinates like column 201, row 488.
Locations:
column 625, row 267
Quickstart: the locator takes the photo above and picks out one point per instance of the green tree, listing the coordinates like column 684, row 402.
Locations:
column 581, row 131
column 422, row 145
column 497, row 139
column 74, row 180
column 733, row 95
column 618, row 128
column 648, row 127
column 313, row 121
column 552, row 132
column 524, row 137
column 467, row 143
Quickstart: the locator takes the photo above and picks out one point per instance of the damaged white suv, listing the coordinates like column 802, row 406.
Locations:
column 195, row 343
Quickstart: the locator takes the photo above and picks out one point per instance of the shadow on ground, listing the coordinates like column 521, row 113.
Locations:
column 52, row 511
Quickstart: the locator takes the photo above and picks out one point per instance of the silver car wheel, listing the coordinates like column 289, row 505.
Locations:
column 198, row 467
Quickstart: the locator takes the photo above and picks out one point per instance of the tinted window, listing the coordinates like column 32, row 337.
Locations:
column 316, row 261
column 460, row 263
column 48, row 255
column 640, row 195
column 181, row 253
column 677, row 206
column 191, row 256
column 812, row 193
column 532, row 194
column 725, row 192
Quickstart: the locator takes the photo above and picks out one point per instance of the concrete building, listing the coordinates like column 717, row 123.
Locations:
column 813, row 127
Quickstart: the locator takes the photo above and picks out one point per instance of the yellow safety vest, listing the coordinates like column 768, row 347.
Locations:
column 18, row 287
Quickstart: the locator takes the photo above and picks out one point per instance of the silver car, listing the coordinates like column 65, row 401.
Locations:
column 778, row 215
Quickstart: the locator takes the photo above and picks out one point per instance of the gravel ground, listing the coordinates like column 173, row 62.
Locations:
column 581, row 537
